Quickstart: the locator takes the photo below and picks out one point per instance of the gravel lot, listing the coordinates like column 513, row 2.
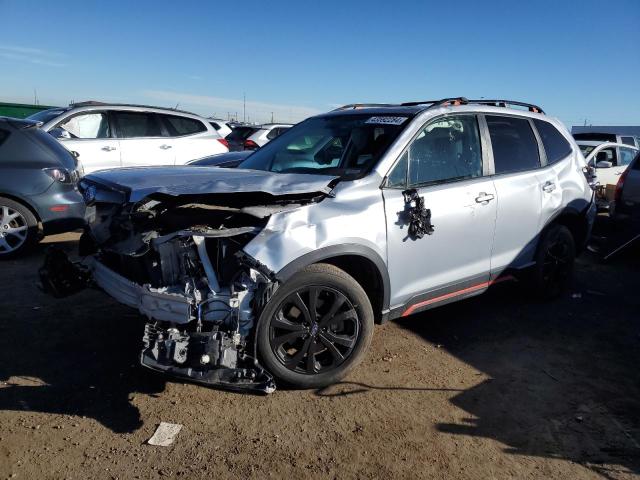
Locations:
column 493, row 387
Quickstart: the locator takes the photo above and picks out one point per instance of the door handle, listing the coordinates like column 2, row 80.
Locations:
column 484, row 197
column 108, row 148
column 549, row 187
column 165, row 147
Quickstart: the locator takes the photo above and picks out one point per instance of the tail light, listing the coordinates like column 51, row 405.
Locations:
column 62, row 175
column 618, row 195
column 224, row 142
column 250, row 145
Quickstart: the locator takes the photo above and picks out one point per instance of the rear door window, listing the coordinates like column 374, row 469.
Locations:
column 181, row 126
column 87, row 125
column 555, row 145
column 137, row 125
column 445, row 150
column 515, row 148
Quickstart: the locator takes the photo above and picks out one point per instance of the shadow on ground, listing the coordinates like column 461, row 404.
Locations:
column 564, row 376
column 76, row 356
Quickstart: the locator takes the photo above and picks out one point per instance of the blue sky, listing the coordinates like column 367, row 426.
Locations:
column 578, row 60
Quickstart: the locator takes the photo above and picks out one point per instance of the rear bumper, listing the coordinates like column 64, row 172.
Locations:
column 60, row 211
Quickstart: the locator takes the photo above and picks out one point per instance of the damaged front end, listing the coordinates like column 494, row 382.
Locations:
column 179, row 260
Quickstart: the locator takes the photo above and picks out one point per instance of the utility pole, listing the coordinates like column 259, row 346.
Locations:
column 271, row 117
column 244, row 107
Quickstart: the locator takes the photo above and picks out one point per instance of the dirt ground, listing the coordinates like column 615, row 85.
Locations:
column 497, row 386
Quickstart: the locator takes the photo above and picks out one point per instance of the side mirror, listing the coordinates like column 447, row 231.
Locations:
column 75, row 154
column 59, row 133
column 604, row 164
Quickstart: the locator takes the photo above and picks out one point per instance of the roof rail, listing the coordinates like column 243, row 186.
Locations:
column 454, row 101
column 355, row 106
column 463, row 101
column 94, row 103
column 87, row 103
column 444, row 102
column 504, row 103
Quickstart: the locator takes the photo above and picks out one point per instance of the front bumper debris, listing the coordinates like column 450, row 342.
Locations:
column 215, row 357
column 60, row 277
column 209, row 358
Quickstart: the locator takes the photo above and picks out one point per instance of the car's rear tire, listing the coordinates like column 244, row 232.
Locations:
column 18, row 229
column 555, row 257
column 316, row 327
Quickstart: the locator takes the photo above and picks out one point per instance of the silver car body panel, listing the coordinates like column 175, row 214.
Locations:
column 141, row 182
column 353, row 215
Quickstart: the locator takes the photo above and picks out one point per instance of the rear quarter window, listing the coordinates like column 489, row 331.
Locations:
column 555, row 145
column 180, row 126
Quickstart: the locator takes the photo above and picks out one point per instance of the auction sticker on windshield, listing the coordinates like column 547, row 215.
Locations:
column 386, row 120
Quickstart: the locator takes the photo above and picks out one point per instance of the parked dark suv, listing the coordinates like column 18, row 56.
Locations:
column 38, row 194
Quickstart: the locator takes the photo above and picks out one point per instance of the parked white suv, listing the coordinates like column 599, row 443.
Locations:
column 112, row 136
column 221, row 126
column 265, row 134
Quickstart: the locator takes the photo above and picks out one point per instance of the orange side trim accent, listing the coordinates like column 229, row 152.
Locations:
column 457, row 293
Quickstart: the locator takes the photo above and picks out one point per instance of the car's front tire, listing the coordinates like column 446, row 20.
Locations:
column 555, row 257
column 18, row 228
column 316, row 328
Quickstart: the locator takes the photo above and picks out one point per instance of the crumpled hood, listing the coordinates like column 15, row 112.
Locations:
column 141, row 182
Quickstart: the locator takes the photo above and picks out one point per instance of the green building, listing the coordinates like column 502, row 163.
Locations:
column 20, row 110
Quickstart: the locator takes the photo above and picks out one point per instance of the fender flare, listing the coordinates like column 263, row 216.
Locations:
column 24, row 201
column 337, row 251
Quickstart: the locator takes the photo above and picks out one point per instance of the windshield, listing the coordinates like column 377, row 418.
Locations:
column 45, row 115
column 344, row 145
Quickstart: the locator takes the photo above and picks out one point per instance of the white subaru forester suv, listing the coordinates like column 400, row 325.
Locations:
column 112, row 136
column 280, row 267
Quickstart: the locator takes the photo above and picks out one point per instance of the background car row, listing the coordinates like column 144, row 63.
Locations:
column 112, row 136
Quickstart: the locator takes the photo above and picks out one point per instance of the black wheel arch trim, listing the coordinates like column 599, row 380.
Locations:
column 23, row 201
column 577, row 212
column 333, row 251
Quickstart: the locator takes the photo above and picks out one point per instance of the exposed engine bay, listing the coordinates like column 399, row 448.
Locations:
column 179, row 261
